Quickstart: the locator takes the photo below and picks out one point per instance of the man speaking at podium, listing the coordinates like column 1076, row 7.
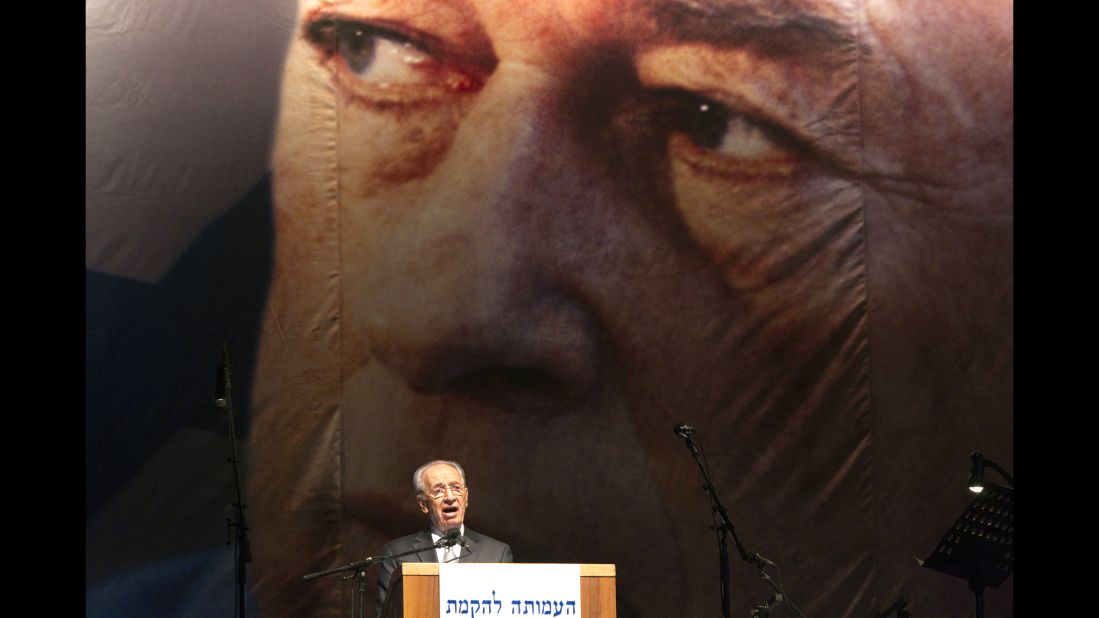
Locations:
column 442, row 494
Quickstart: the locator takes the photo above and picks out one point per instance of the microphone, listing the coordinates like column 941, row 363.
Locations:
column 221, row 392
column 453, row 537
column 683, row 430
column 759, row 560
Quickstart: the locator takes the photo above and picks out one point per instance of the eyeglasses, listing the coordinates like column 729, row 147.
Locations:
column 439, row 492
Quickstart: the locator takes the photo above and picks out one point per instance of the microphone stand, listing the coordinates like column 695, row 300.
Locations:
column 359, row 568
column 726, row 529
column 223, row 399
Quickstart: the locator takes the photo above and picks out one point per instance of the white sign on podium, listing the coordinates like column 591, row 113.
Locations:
column 516, row 589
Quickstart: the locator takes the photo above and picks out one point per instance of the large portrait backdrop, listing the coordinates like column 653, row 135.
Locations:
column 533, row 237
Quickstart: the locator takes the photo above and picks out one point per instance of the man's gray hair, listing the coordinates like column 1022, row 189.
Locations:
column 418, row 475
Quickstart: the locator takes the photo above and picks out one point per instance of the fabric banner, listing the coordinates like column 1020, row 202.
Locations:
column 532, row 237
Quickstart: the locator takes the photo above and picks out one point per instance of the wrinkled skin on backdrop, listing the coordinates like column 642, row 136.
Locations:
column 533, row 236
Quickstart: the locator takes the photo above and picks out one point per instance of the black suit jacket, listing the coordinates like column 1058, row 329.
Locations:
column 481, row 549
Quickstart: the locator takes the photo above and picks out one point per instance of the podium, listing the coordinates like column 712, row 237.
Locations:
column 414, row 591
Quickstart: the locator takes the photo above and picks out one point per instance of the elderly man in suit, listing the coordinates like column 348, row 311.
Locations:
column 443, row 496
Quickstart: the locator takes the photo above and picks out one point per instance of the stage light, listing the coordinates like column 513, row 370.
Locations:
column 978, row 462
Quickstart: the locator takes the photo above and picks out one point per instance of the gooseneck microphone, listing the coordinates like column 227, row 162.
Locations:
column 453, row 537
column 683, row 430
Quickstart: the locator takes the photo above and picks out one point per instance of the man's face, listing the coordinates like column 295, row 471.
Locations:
column 446, row 497
column 542, row 233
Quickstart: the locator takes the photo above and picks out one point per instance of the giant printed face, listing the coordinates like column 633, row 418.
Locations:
column 533, row 236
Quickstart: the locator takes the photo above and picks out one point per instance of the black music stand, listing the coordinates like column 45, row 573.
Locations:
column 979, row 547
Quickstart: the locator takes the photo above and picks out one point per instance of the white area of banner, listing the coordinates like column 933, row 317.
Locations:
column 490, row 589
